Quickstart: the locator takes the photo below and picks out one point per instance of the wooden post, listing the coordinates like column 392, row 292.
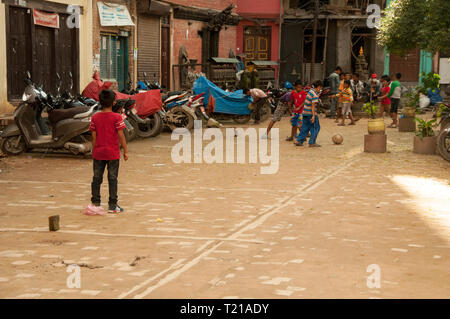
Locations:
column 53, row 223
column 314, row 39
column 324, row 71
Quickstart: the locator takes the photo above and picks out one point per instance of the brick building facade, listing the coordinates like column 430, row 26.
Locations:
column 118, row 40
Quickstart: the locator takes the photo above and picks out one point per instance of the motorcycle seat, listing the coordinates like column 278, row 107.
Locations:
column 61, row 114
column 85, row 114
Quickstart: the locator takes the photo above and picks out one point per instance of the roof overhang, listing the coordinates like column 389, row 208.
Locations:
column 153, row 7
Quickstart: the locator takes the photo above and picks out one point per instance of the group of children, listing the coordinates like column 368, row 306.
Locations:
column 302, row 107
column 107, row 126
column 346, row 88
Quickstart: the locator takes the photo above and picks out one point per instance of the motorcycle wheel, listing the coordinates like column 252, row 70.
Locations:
column 151, row 129
column 185, row 118
column 241, row 119
column 130, row 131
column 265, row 112
column 13, row 145
column 443, row 143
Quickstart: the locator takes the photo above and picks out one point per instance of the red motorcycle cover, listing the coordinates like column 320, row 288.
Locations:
column 92, row 89
column 147, row 103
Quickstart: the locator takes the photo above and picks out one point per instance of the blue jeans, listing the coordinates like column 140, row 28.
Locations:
column 309, row 127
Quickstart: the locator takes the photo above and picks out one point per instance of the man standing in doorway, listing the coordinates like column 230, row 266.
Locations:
column 334, row 80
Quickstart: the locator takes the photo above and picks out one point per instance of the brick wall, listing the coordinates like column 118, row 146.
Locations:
column 193, row 42
column 97, row 29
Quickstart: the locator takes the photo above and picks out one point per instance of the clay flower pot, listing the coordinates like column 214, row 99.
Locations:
column 376, row 126
column 426, row 145
column 409, row 112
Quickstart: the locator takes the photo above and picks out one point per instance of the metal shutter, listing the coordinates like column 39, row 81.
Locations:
column 149, row 47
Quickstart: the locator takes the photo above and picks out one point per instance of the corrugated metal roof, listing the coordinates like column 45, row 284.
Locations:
column 225, row 60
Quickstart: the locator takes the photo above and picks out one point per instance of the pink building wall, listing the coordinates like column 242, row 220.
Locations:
column 268, row 13
column 258, row 8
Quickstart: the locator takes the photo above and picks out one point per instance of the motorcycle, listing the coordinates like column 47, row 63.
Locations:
column 123, row 107
column 66, row 100
column 443, row 141
column 176, row 112
column 69, row 127
column 143, row 115
column 222, row 105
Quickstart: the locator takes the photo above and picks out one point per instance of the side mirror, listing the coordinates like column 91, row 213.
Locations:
column 145, row 74
column 57, row 76
column 28, row 75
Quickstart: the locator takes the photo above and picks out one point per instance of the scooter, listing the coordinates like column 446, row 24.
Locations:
column 443, row 140
column 196, row 103
column 176, row 113
column 69, row 128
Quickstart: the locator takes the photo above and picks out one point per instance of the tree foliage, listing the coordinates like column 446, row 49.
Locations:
column 410, row 24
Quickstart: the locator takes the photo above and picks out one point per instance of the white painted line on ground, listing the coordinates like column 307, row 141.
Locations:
column 80, row 232
column 150, row 279
column 257, row 221
column 153, row 187
column 177, row 272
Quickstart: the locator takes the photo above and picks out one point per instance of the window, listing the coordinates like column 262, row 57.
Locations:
column 114, row 59
column 108, row 57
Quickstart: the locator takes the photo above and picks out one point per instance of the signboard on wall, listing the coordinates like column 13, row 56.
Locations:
column 46, row 19
column 112, row 14
column 444, row 70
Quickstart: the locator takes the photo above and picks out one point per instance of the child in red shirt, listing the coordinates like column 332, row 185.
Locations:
column 385, row 104
column 296, row 101
column 107, row 131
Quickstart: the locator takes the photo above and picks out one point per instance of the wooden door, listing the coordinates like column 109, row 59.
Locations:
column 165, row 57
column 66, row 55
column 44, row 58
column 408, row 66
column 18, row 49
column 257, row 43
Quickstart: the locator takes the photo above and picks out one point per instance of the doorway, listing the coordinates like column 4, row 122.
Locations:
column 257, row 43
column 165, row 57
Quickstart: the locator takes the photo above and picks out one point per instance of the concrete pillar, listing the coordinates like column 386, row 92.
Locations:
column 379, row 59
column 344, row 45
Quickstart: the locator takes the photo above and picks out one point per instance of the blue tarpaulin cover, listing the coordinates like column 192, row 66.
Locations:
column 225, row 102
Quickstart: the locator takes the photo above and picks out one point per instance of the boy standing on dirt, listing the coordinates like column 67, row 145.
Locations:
column 310, row 119
column 107, row 131
column 395, row 93
column 385, row 103
column 296, row 101
column 345, row 99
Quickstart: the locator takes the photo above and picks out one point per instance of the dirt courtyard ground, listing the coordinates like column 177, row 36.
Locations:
column 332, row 220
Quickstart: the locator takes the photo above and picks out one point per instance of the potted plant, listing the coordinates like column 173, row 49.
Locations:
column 425, row 139
column 412, row 103
column 375, row 125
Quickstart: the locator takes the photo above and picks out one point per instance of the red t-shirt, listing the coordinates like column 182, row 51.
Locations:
column 107, row 125
column 299, row 99
column 385, row 91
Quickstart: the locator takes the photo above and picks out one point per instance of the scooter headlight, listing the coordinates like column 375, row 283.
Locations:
column 26, row 97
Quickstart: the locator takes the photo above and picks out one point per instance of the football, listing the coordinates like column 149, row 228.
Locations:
column 337, row 139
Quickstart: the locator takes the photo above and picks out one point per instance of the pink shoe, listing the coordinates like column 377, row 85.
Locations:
column 92, row 210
